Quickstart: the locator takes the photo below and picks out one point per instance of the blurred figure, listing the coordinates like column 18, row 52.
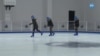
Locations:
column 76, row 20
column 50, row 25
column 35, row 26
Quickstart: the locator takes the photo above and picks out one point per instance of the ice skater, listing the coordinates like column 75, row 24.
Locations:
column 35, row 26
column 50, row 25
column 76, row 21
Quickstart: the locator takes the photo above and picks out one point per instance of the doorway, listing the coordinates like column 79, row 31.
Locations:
column 71, row 19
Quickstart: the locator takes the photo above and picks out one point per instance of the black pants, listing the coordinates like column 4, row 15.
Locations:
column 51, row 30
column 76, row 30
column 35, row 28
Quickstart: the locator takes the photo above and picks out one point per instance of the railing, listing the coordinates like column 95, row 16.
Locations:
column 58, row 26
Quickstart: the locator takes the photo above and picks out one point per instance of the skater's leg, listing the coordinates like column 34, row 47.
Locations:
column 76, row 30
column 39, row 31
column 50, row 28
column 33, row 32
column 50, row 31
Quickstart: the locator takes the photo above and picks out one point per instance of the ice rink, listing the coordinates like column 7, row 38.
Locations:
column 62, row 44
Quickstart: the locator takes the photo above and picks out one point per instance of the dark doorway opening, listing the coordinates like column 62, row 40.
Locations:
column 71, row 19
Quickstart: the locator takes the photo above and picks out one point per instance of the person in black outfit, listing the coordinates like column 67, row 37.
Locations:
column 76, row 25
column 50, row 25
column 35, row 26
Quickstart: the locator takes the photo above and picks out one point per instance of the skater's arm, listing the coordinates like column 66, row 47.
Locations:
column 30, row 23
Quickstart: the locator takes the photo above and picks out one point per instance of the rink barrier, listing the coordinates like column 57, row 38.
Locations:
column 54, row 31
